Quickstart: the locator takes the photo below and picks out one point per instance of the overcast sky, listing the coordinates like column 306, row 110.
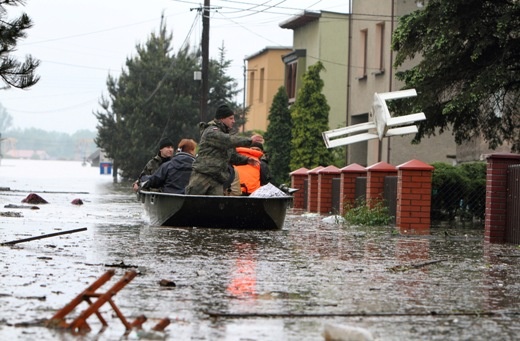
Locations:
column 80, row 42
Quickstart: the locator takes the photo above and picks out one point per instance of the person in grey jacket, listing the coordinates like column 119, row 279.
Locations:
column 216, row 151
column 173, row 176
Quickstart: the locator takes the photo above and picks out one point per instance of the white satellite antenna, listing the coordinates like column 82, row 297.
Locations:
column 383, row 124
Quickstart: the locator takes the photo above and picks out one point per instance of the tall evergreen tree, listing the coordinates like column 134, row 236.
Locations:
column 278, row 137
column 467, row 78
column 13, row 72
column 310, row 117
column 154, row 97
column 223, row 88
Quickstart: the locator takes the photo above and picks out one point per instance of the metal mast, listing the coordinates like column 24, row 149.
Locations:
column 205, row 60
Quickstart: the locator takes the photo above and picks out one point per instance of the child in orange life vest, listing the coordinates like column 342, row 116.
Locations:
column 252, row 177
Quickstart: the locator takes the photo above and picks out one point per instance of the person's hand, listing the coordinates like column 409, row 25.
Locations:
column 253, row 162
column 135, row 186
column 257, row 139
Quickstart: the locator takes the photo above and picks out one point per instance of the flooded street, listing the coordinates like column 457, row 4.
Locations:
column 289, row 284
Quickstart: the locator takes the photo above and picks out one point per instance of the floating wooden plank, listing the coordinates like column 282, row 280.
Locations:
column 43, row 236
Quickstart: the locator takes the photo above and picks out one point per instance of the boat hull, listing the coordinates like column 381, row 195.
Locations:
column 165, row 209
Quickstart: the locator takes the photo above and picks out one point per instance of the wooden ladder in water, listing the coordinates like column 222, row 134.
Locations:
column 80, row 325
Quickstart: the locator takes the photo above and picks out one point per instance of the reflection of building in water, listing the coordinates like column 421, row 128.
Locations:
column 243, row 278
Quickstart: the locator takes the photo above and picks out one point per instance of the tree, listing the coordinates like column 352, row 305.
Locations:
column 468, row 75
column 310, row 117
column 154, row 97
column 13, row 72
column 278, row 137
column 5, row 119
column 223, row 88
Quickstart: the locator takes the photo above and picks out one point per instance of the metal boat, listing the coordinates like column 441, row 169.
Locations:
column 234, row 212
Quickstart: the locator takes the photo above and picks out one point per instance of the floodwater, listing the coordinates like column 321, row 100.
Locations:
column 290, row 284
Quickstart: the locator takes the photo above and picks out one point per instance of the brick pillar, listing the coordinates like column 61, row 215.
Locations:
column 298, row 178
column 414, row 196
column 325, row 177
column 312, row 189
column 376, row 181
column 496, row 195
column 347, row 194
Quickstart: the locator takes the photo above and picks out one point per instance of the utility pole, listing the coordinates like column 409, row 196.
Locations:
column 205, row 61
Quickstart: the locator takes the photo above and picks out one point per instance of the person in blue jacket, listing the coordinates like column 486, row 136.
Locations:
column 173, row 176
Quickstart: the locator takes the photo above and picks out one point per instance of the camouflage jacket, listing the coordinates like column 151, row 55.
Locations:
column 217, row 149
column 152, row 165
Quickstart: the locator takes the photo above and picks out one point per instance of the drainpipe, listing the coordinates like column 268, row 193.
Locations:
column 349, row 65
column 390, row 69
column 244, row 97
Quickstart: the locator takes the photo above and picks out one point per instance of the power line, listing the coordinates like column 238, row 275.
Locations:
column 50, row 111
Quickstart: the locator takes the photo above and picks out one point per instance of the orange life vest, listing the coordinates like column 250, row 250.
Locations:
column 249, row 175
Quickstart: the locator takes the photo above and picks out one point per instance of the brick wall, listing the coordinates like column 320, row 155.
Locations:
column 325, row 177
column 496, row 195
column 348, row 185
column 298, row 178
column 376, row 181
column 413, row 192
column 414, row 196
column 312, row 189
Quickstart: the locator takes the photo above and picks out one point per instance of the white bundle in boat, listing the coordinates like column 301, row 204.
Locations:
column 268, row 191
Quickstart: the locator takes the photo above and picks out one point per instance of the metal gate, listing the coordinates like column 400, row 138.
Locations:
column 361, row 188
column 305, row 192
column 513, row 205
column 390, row 195
column 336, row 189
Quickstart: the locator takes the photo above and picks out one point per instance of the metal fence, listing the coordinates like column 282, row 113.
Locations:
column 459, row 194
column 513, row 205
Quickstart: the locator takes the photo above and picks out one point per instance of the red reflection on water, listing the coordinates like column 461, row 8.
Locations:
column 412, row 251
column 243, row 278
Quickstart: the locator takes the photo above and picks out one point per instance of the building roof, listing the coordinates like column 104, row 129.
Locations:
column 300, row 20
column 266, row 49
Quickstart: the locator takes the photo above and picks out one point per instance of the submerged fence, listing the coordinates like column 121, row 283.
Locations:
column 458, row 194
column 482, row 194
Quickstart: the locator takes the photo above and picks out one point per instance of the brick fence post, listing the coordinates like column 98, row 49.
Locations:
column 496, row 195
column 298, row 178
column 347, row 194
column 376, row 181
column 414, row 196
column 312, row 189
column 325, row 177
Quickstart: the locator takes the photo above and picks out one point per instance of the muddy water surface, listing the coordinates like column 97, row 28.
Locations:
column 241, row 285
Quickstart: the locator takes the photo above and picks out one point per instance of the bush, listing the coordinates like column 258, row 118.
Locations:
column 376, row 214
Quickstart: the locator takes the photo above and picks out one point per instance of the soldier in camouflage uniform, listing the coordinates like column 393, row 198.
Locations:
column 216, row 151
column 164, row 154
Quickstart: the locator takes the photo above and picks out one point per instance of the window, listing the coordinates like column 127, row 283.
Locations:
column 251, row 87
column 363, row 54
column 290, row 79
column 380, row 48
column 262, row 84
